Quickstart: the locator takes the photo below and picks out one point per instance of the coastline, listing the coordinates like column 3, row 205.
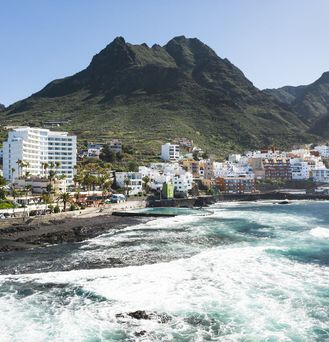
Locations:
column 77, row 226
column 204, row 201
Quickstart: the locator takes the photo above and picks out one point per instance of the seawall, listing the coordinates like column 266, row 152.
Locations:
column 202, row 201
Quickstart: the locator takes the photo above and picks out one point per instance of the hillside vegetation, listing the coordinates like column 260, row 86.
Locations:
column 149, row 95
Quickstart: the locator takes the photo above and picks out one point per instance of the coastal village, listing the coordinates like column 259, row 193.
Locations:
column 44, row 171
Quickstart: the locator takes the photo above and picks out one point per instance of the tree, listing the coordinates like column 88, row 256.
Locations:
column 19, row 164
column 14, row 193
column 205, row 155
column 128, row 149
column 65, row 198
column 146, row 181
column 12, row 174
column 3, row 181
column 49, row 188
column 132, row 166
column 57, row 165
column 107, row 155
column 3, row 194
column 27, row 190
column 119, row 156
column 45, row 168
column 51, row 175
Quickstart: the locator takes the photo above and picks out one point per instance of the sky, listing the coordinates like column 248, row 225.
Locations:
column 274, row 42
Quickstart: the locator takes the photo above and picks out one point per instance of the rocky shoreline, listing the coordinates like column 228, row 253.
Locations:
column 32, row 234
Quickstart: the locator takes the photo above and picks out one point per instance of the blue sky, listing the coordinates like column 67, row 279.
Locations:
column 274, row 42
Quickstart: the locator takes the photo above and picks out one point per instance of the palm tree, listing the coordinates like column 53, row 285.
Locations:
column 19, row 164
column 146, row 181
column 12, row 173
column 26, row 164
column 57, row 165
column 45, row 167
column 27, row 189
column 51, row 175
column 14, row 193
column 64, row 197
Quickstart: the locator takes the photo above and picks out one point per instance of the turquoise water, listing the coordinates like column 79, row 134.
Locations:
column 175, row 211
column 248, row 272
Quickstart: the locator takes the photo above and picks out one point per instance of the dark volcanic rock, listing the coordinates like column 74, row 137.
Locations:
column 142, row 314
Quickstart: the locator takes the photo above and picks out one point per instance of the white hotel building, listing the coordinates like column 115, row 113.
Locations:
column 38, row 146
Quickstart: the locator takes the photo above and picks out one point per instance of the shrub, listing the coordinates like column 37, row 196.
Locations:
column 57, row 209
column 72, row 207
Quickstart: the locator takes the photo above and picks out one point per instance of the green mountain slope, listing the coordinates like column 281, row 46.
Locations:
column 148, row 95
column 310, row 102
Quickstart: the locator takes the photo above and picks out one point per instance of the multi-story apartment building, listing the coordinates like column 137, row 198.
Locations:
column 321, row 175
column 170, row 152
column 236, row 185
column 257, row 166
column 299, row 169
column 40, row 150
column 131, row 180
column 277, row 169
column 182, row 182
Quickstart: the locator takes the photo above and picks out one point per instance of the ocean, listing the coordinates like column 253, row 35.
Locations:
column 235, row 272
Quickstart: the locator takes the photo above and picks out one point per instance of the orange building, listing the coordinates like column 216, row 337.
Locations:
column 236, row 185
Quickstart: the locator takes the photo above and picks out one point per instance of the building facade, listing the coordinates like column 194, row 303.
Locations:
column 170, row 152
column 36, row 151
column 236, row 185
column 130, row 180
column 277, row 169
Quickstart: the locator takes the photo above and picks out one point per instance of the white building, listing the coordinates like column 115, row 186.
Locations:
column 37, row 147
column 299, row 169
column 135, row 179
column 234, row 158
column 94, row 150
column 170, row 152
column 321, row 175
column 183, row 182
column 323, row 150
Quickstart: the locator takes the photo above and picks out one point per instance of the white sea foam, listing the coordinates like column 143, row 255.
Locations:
column 240, row 292
column 320, row 232
column 239, row 283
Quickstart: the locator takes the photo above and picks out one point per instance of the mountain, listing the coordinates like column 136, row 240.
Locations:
column 148, row 95
column 2, row 107
column 310, row 102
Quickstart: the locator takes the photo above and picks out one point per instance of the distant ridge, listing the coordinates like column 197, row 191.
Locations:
column 310, row 102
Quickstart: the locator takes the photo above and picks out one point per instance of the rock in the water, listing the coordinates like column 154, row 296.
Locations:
column 140, row 333
column 142, row 314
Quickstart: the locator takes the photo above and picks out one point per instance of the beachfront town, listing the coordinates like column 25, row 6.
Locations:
column 45, row 167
